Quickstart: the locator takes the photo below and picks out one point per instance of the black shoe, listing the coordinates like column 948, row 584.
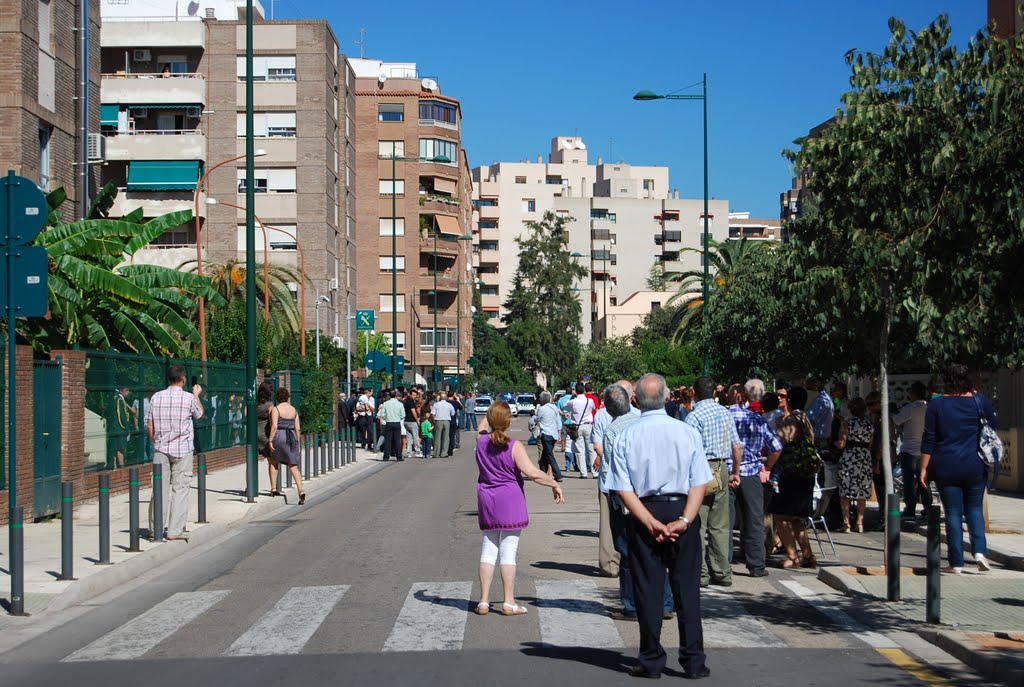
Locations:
column 759, row 573
column 668, row 615
column 703, row 672
column 640, row 671
column 387, row 458
column 622, row 615
column 400, row 460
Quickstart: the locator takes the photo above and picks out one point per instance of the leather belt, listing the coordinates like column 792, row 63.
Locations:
column 663, row 497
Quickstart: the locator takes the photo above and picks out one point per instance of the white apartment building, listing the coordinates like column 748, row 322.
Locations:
column 624, row 220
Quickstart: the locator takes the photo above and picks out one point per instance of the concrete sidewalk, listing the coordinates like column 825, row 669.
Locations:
column 982, row 613
column 225, row 508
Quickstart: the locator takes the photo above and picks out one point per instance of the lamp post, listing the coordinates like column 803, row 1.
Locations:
column 199, row 243
column 319, row 299
column 251, row 428
column 650, row 95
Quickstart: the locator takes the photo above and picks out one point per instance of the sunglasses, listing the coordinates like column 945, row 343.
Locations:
column 783, row 395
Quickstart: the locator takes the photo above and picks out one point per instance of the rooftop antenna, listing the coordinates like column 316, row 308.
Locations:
column 272, row 9
column 611, row 149
column 362, row 41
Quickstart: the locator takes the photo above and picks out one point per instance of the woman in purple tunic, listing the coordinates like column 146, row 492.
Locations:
column 501, row 503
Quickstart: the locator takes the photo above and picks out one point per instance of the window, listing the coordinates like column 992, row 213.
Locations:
column 488, row 245
column 488, row 224
column 670, row 216
column 45, row 26
column 488, row 290
column 386, row 225
column 437, row 111
column 529, row 205
column 385, row 149
column 446, row 339
column 648, row 184
column 601, row 214
column 401, row 340
column 269, row 68
column 45, row 134
column 280, row 237
column 385, row 302
column 520, row 180
column 181, row 235
column 269, row 180
column 431, row 148
column 390, row 187
column 385, row 263
column 391, row 112
column 492, row 314
column 655, row 305
column 268, row 124
column 485, row 203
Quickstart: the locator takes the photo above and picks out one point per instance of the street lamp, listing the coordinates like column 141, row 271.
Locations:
column 319, row 299
column 650, row 95
column 199, row 243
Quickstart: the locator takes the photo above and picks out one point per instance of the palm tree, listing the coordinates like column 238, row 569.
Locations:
column 99, row 299
column 723, row 259
column 228, row 280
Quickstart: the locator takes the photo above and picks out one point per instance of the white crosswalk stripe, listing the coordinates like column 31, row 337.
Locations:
column 146, row 631
column 727, row 624
column 573, row 613
column 433, row 618
column 869, row 637
column 296, row 615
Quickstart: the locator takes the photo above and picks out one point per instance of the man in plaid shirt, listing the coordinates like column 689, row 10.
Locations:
column 169, row 418
column 756, row 437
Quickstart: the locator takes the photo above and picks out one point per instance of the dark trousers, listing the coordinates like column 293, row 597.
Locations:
column 648, row 560
column 621, row 524
column 749, row 498
column 363, row 434
column 453, row 436
column 393, row 440
column 913, row 492
column 547, row 456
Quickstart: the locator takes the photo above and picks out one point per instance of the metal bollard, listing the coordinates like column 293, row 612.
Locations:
column 104, row 557
column 344, row 446
column 933, row 574
column 334, row 449
column 67, row 534
column 352, row 446
column 315, row 441
column 325, row 463
column 288, row 477
column 201, row 486
column 17, row 561
column 892, row 549
column 281, row 467
column 158, row 502
column 305, row 473
column 133, row 509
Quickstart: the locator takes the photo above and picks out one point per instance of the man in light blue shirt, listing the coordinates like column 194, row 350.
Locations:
column 549, row 420
column 443, row 412
column 563, row 404
column 820, row 414
column 661, row 481
column 607, row 556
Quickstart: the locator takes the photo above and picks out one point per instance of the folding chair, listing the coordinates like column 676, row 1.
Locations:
column 818, row 518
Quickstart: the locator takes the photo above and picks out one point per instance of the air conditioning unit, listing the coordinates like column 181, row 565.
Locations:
column 142, row 55
column 97, row 147
column 338, row 342
column 194, row 111
column 140, row 112
column 333, row 284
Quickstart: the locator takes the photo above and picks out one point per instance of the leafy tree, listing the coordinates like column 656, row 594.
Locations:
column 723, row 259
column 680, row 364
column 497, row 366
column 912, row 226
column 371, row 341
column 609, row 360
column 656, row 278
column 543, row 321
column 99, row 299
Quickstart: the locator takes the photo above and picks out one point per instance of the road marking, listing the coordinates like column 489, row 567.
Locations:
column 727, row 624
column 144, row 632
column 869, row 637
column 433, row 618
column 286, row 627
column 901, row 659
column 573, row 613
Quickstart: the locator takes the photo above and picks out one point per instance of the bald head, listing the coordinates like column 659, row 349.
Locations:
column 627, row 385
column 651, row 392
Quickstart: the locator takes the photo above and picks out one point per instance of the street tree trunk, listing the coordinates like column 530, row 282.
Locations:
column 883, row 380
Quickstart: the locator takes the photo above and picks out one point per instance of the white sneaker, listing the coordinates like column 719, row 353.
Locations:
column 950, row 570
column 983, row 564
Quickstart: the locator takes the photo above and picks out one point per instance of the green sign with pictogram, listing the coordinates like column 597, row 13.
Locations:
column 364, row 320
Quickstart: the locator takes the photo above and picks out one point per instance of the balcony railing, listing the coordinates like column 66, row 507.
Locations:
column 438, row 122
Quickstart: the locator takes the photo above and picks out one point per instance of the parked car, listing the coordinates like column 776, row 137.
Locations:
column 526, row 403
column 482, row 404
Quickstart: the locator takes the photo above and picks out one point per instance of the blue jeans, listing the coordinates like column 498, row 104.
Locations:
column 621, row 523
column 963, row 499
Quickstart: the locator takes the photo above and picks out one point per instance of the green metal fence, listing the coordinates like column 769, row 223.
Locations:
column 3, row 415
column 118, row 389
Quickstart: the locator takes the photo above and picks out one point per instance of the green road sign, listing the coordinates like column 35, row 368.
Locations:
column 400, row 364
column 472, row 361
column 364, row 320
column 23, row 210
column 30, row 297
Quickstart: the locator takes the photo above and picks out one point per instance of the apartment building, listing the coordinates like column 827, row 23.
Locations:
column 43, row 46
column 413, row 191
column 623, row 220
column 173, row 111
column 743, row 226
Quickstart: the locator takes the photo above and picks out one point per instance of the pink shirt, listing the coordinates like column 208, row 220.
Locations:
column 172, row 411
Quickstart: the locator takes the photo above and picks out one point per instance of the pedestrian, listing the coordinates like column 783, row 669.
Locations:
column 549, row 421
column 772, row 403
column 661, row 481
column 412, row 422
column 444, row 413
column 393, row 414
column 798, row 469
column 581, row 411
column 501, row 504
column 453, row 440
column 685, row 402
column 364, row 418
column 949, row 457
column 721, row 442
column 608, row 558
column 169, row 422
column 855, row 481
column 563, row 407
column 911, row 418
column 264, row 402
column 755, row 392
column 284, row 440
column 748, row 495
column 470, row 404
column 427, row 433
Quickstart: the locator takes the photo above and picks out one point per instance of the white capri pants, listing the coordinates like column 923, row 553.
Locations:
column 500, row 543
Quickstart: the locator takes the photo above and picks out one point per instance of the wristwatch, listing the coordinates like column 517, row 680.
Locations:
column 684, row 519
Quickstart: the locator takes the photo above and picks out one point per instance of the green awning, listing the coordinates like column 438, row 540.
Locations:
column 163, row 106
column 163, row 175
column 108, row 114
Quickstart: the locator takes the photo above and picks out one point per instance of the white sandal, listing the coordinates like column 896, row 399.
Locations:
column 512, row 609
column 483, row 608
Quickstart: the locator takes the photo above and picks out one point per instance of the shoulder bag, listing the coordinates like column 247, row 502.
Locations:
column 990, row 447
column 717, row 484
column 573, row 430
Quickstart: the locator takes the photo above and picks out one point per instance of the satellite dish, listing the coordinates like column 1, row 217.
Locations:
column 429, row 84
column 568, row 144
column 193, row 7
column 382, row 78
column 580, row 145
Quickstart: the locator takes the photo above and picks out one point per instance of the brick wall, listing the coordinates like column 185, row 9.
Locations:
column 24, row 434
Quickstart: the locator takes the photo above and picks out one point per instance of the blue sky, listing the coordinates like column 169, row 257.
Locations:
column 528, row 71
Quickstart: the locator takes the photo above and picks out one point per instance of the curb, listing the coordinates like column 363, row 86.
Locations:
column 992, row 665
column 840, row 580
column 152, row 558
column 1012, row 561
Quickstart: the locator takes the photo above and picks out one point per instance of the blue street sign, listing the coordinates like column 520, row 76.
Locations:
column 31, row 297
column 23, row 210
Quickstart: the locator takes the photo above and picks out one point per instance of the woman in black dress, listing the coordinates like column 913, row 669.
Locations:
column 792, row 505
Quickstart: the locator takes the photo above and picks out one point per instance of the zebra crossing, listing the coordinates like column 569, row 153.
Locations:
column 434, row 617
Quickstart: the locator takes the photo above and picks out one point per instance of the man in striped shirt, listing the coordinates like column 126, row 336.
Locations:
column 169, row 418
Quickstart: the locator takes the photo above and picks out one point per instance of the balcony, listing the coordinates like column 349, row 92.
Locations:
column 490, row 234
column 438, row 123
column 600, row 234
column 155, row 203
column 489, row 212
column 489, row 256
column 163, row 32
column 439, row 204
column 441, row 245
column 490, row 278
column 152, row 89
column 446, row 280
column 672, row 265
column 157, row 145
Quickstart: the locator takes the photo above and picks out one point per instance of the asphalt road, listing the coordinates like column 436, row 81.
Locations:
column 374, row 584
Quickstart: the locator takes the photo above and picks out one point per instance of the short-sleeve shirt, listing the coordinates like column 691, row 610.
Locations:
column 172, row 411
column 610, row 443
column 715, row 425
column 443, row 411
column 755, row 435
column 660, row 455
column 410, row 404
